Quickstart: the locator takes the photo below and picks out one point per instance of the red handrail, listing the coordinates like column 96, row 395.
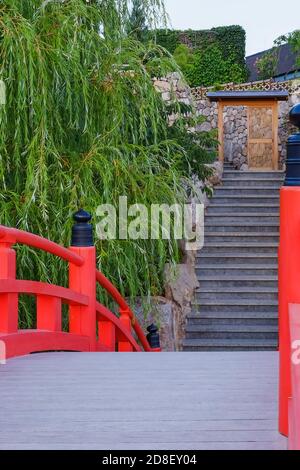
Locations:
column 124, row 307
column 84, row 310
column 13, row 235
column 104, row 314
column 294, row 400
column 10, row 286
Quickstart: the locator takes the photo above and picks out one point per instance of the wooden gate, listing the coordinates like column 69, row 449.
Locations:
column 263, row 136
column 262, row 132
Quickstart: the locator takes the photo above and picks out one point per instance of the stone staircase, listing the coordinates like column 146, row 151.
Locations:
column 235, row 307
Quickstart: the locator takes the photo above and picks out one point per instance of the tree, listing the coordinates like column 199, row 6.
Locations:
column 294, row 40
column 81, row 126
column 209, row 67
column 184, row 57
column 267, row 64
column 137, row 25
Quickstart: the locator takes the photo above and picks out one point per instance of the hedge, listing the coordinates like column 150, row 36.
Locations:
column 230, row 41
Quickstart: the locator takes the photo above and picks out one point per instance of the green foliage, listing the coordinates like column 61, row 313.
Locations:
column 294, row 40
column 137, row 25
column 208, row 57
column 201, row 147
column 232, row 42
column 166, row 38
column 83, row 125
column 210, row 68
column 184, row 57
column 267, row 64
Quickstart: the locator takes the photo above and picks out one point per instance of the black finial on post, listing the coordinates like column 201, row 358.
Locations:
column 153, row 337
column 293, row 151
column 82, row 231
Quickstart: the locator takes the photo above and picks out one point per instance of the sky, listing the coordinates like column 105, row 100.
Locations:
column 263, row 20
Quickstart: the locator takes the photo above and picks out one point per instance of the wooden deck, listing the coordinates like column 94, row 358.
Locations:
column 140, row 401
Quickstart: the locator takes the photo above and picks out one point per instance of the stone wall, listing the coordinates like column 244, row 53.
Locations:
column 235, row 128
column 284, row 127
column 172, row 86
column 236, row 136
column 235, row 118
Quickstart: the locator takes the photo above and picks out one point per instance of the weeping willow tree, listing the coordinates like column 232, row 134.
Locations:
column 83, row 125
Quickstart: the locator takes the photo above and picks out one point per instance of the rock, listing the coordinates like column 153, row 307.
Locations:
column 174, row 76
column 216, row 178
column 180, row 285
column 165, row 314
column 185, row 101
column 205, row 127
column 206, row 112
column 162, row 85
column 181, row 86
column 244, row 167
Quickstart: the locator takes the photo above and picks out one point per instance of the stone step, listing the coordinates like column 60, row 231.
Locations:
column 239, row 302
column 236, row 305
column 239, row 281
column 230, row 344
column 237, row 289
column 254, row 182
column 242, row 220
column 195, row 316
column 203, row 294
column 221, row 322
column 203, row 270
column 231, row 173
column 246, row 258
column 215, row 307
column 237, row 199
column 231, row 331
column 213, row 226
column 233, row 305
column 240, row 237
column 243, row 210
column 245, row 191
column 235, row 247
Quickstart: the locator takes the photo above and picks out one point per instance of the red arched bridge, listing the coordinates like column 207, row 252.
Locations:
column 92, row 326
column 212, row 400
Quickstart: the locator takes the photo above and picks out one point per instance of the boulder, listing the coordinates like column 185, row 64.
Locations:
column 164, row 313
column 162, row 85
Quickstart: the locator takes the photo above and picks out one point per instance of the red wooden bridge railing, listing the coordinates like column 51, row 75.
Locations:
column 92, row 326
column 289, row 291
column 294, row 400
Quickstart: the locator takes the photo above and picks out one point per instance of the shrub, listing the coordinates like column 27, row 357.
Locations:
column 221, row 50
column 83, row 125
column 210, row 68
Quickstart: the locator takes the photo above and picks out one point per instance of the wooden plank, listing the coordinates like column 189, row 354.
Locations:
column 140, row 401
column 275, row 136
column 249, row 103
column 262, row 136
column 221, row 131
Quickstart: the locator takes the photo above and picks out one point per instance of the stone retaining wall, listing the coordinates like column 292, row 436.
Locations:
column 235, row 127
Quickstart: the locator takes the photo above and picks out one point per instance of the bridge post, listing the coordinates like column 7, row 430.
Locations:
column 82, row 279
column 288, row 263
column 123, row 345
column 153, row 338
column 9, row 301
